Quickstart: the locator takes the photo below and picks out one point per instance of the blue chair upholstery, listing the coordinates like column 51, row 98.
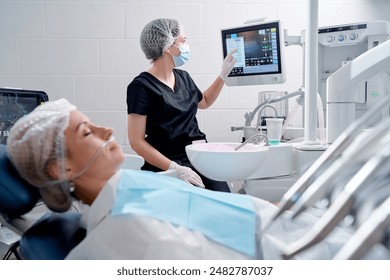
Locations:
column 52, row 236
column 17, row 197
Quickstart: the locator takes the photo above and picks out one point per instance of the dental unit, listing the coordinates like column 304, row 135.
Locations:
column 342, row 130
column 347, row 69
column 337, row 46
column 363, row 67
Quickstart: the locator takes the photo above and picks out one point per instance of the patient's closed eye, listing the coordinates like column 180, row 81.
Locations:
column 88, row 132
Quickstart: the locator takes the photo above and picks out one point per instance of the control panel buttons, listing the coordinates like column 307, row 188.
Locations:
column 352, row 36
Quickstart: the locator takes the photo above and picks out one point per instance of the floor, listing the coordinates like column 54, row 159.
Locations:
column 3, row 248
column 7, row 237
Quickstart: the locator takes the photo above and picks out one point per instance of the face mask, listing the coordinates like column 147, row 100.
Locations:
column 184, row 55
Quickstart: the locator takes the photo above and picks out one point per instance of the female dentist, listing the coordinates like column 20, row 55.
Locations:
column 163, row 101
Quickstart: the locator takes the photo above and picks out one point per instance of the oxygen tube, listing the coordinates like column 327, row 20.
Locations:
column 111, row 139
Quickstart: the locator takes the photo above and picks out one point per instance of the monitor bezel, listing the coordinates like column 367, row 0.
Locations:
column 276, row 77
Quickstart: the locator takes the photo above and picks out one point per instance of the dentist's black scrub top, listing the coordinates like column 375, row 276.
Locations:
column 171, row 122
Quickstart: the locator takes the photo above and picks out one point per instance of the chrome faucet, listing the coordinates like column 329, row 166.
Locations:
column 256, row 142
column 261, row 111
column 249, row 131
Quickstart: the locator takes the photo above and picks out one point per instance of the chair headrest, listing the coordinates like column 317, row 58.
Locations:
column 17, row 197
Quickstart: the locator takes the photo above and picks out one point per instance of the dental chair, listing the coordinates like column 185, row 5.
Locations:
column 51, row 237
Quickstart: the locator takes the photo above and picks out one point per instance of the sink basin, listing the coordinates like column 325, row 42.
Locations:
column 219, row 161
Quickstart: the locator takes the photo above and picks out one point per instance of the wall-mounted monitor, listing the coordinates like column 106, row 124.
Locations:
column 260, row 53
column 14, row 104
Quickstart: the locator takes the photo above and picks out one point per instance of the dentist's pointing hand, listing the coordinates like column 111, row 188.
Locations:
column 228, row 64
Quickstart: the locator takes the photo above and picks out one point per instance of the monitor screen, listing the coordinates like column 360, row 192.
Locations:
column 15, row 103
column 260, row 53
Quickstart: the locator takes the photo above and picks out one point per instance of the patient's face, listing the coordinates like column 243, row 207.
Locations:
column 83, row 140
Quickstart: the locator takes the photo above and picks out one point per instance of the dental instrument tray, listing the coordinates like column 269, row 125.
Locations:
column 15, row 103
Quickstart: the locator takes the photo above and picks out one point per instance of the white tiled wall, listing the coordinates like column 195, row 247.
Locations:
column 88, row 50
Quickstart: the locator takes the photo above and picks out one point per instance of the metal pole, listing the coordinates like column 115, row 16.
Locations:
column 311, row 72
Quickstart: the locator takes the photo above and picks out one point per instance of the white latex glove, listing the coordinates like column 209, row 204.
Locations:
column 186, row 174
column 227, row 65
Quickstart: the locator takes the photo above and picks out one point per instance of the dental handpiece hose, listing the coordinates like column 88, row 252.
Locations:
column 296, row 191
column 372, row 231
column 367, row 142
column 343, row 204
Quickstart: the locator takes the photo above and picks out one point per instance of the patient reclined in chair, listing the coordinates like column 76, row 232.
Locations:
column 139, row 214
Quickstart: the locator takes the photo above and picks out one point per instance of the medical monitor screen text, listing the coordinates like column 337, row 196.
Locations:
column 258, row 49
